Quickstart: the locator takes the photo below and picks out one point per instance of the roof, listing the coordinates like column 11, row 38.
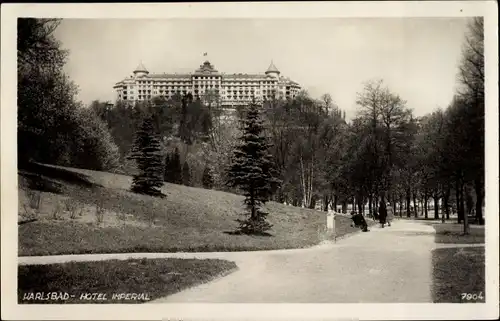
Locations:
column 177, row 76
column 244, row 76
column 206, row 68
column 141, row 68
column 272, row 68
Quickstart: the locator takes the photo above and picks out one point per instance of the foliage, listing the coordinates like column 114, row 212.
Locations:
column 207, row 180
column 147, row 154
column 186, row 174
column 252, row 171
column 173, row 168
column 52, row 125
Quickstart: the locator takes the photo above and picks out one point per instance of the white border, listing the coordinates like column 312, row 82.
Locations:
column 12, row 311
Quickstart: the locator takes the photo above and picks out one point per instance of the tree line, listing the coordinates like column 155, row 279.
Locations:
column 321, row 159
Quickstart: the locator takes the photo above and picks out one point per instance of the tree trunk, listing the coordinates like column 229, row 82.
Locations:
column 360, row 205
column 415, row 204
column 478, row 186
column 312, row 203
column 303, row 182
column 436, row 206
column 326, row 200
column 311, row 175
column 335, row 200
column 460, row 212
column 370, row 205
column 446, row 201
column 252, row 204
column 426, row 213
column 408, row 200
column 466, row 215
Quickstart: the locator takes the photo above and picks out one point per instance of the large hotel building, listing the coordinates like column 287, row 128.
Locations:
column 232, row 89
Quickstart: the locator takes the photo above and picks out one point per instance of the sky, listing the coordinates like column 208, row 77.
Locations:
column 416, row 57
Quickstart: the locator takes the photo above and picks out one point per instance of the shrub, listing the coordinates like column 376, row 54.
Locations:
column 95, row 148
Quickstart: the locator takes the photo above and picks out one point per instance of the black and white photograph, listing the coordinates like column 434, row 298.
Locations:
column 239, row 153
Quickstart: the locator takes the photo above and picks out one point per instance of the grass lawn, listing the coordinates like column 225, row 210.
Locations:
column 457, row 271
column 107, row 218
column 453, row 233
column 148, row 279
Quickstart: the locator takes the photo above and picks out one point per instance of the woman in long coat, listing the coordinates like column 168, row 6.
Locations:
column 382, row 213
column 390, row 214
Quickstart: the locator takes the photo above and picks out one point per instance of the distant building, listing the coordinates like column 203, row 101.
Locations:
column 207, row 83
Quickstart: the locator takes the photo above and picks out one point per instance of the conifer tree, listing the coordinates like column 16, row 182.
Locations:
column 252, row 171
column 147, row 154
column 167, row 176
column 176, row 167
column 207, row 179
column 186, row 174
column 173, row 168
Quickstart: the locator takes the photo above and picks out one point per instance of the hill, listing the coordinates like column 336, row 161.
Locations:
column 83, row 211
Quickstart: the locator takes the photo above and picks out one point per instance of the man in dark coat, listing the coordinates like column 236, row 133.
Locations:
column 358, row 220
column 382, row 213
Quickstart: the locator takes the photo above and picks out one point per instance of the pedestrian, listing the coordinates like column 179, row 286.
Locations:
column 390, row 214
column 358, row 220
column 353, row 219
column 382, row 213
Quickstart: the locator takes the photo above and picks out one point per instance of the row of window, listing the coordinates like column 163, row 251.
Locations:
column 233, row 98
column 206, row 77
column 207, row 86
column 241, row 91
column 175, row 82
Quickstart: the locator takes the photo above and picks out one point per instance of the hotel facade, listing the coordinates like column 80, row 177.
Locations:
column 231, row 89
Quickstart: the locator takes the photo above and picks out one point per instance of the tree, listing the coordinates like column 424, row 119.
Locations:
column 186, row 174
column 252, row 171
column 37, row 48
column 45, row 94
column 53, row 127
column 146, row 152
column 471, row 77
column 173, row 168
column 207, row 179
column 93, row 147
column 167, row 174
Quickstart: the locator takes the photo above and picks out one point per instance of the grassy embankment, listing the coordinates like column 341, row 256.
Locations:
column 84, row 211
column 103, row 282
column 459, row 272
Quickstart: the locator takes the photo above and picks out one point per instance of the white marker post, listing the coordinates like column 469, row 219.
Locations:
column 330, row 223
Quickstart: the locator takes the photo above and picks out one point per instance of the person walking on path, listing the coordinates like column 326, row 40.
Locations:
column 382, row 213
column 390, row 214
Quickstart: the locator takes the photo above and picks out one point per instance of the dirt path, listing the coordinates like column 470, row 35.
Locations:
column 384, row 265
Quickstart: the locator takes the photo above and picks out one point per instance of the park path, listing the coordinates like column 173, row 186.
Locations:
column 386, row 265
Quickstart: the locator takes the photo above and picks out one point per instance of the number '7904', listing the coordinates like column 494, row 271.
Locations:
column 472, row 296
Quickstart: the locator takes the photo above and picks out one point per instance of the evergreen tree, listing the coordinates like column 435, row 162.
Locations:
column 173, row 168
column 146, row 152
column 252, row 172
column 176, row 167
column 186, row 174
column 207, row 179
column 167, row 175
